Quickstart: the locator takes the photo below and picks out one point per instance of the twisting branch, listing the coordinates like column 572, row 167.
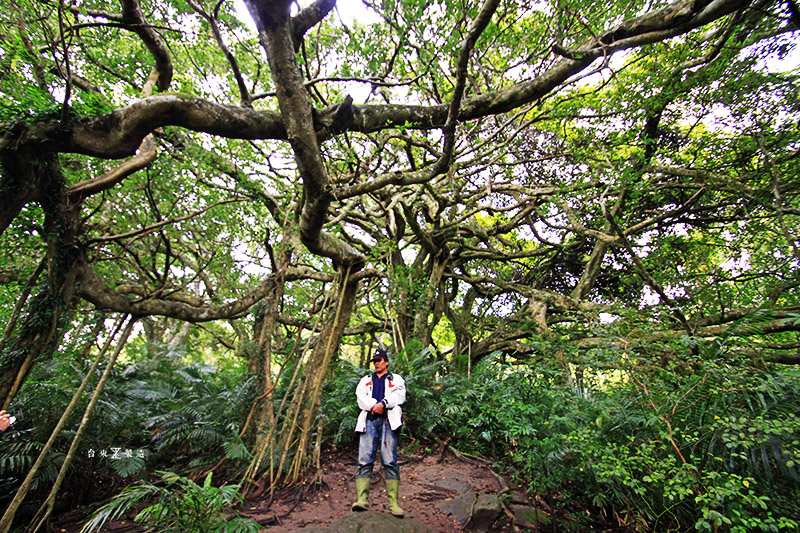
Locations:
column 244, row 93
column 308, row 18
column 147, row 153
column 94, row 290
column 161, row 75
column 478, row 25
column 374, row 82
column 22, row 29
column 152, row 227
column 778, row 200
column 67, row 71
column 297, row 113
column 453, row 116
column 133, row 20
column 97, row 13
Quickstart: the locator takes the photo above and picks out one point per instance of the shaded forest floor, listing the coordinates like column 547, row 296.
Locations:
column 426, row 483
column 431, row 485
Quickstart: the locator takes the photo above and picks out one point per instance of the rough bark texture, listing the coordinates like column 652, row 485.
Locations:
column 42, row 328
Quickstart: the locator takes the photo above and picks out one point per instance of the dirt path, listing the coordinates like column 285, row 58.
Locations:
column 427, row 483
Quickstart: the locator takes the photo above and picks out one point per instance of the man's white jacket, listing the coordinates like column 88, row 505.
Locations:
column 394, row 394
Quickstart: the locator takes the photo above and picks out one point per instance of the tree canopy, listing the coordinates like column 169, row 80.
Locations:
column 537, row 179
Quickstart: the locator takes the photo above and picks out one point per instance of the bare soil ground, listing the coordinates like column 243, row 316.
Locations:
column 426, row 483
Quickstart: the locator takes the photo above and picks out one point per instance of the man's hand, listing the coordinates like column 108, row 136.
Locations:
column 5, row 420
column 377, row 409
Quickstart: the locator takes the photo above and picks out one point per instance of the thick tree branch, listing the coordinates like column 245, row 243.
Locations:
column 308, row 18
column 148, row 151
column 783, row 359
column 118, row 134
column 161, row 75
column 297, row 114
column 94, row 290
column 449, row 129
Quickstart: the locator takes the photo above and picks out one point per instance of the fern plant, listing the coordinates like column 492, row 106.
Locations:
column 193, row 410
column 17, row 455
column 177, row 504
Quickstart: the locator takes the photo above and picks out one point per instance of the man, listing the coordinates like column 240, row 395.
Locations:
column 379, row 397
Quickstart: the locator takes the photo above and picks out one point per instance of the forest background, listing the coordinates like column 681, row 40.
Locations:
column 573, row 223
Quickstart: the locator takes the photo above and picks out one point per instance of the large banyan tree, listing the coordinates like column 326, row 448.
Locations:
column 469, row 177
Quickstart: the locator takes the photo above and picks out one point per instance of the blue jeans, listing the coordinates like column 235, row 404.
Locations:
column 378, row 435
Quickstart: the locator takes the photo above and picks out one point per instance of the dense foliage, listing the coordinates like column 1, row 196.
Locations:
column 177, row 505
column 704, row 442
column 574, row 222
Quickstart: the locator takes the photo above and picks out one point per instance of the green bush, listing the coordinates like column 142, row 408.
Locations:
column 176, row 504
column 159, row 412
column 706, row 446
column 192, row 412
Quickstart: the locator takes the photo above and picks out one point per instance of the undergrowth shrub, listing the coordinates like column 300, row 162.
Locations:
column 708, row 446
column 703, row 443
column 338, row 408
column 192, row 412
column 17, row 455
column 156, row 412
column 176, row 504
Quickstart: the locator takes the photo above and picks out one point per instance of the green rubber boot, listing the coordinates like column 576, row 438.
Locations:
column 362, row 491
column 393, row 491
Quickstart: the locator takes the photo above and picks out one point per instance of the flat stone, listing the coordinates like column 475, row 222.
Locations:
column 473, row 512
column 455, row 486
column 519, row 497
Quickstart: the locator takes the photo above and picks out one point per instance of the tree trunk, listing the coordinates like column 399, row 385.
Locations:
column 319, row 367
column 430, row 305
column 281, row 454
column 42, row 328
column 260, row 354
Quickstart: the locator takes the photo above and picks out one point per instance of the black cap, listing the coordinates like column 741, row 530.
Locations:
column 380, row 354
